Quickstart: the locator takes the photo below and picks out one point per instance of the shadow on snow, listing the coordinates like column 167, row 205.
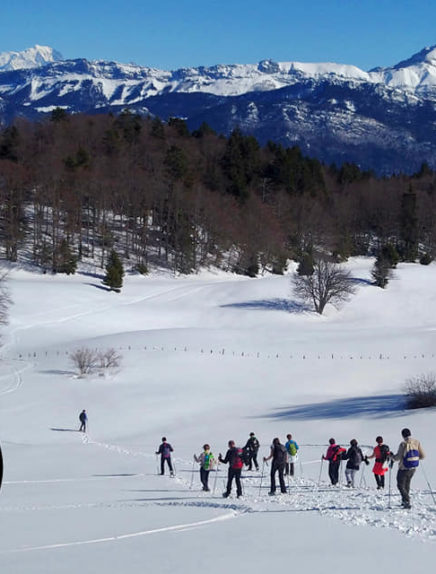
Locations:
column 378, row 406
column 270, row 305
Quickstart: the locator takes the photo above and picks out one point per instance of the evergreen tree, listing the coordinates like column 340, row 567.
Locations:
column 114, row 272
column 66, row 261
column 409, row 226
column 381, row 272
column 305, row 266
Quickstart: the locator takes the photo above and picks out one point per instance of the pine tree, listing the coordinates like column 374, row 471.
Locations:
column 381, row 272
column 66, row 261
column 114, row 272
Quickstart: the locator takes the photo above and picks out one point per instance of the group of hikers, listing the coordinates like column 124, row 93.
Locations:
column 284, row 457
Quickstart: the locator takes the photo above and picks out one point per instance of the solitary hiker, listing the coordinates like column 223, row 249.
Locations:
column 165, row 450
column 409, row 454
column 234, row 459
column 83, row 418
column 278, row 455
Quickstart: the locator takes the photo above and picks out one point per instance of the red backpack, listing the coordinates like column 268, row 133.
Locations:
column 238, row 458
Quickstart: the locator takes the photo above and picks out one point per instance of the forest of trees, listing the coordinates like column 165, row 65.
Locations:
column 78, row 187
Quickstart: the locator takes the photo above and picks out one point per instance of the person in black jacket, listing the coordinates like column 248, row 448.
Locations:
column 83, row 418
column 354, row 457
column 165, row 450
column 252, row 447
column 234, row 459
column 279, row 456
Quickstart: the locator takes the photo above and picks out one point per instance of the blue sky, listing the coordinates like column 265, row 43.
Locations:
column 170, row 34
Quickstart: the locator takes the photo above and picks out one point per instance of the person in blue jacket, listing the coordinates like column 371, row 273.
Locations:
column 83, row 418
column 292, row 450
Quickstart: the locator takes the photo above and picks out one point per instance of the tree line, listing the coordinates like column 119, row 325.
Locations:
column 81, row 188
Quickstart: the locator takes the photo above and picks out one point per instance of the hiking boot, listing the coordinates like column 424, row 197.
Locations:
column 226, row 494
column 271, row 493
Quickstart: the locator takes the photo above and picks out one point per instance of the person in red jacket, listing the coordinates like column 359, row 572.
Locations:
column 381, row 454
column 333, row 455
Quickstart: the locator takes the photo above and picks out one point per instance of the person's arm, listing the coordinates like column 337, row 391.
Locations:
column 371, row 455
column 400, row 452
column 159, row 450
column 267, row 458
column 196, row 458
column 296, row 445
column 224, row 460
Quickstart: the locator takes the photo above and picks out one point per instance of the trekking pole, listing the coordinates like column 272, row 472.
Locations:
column 174, row 467
column 340, row 472
column 216, row 477
column 157, row 464
column 192, row 474
column 389, row 491
column 362, row 478
column 261, row 477
column 320, row 472
column 428, row 483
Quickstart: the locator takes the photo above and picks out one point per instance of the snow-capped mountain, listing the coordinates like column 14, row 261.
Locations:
column 31, row 58
column 383, row 119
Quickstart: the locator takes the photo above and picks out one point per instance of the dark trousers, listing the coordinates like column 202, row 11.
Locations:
column 404, row 477
column 162, row 463
column 253, row 458
column 280, row 469
column 204, row 477
column 290, row 468
column 380, row 480
column 334, row 471
column 82, row 426
column 234, row 473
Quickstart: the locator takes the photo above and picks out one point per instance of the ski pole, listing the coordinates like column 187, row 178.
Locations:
column 390, row 481
column 157, row 464
column 192, row 474
column 216, row 476
column 261, row 477
column 428, row 483
column 320, row 472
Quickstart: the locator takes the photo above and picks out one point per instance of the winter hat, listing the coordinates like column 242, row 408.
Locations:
column 406, row 433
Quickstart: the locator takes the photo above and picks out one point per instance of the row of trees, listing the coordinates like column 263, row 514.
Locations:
column 79, row 188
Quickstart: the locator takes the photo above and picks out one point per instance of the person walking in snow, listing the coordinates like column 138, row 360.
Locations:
column 234, row 459
column 252, row 448
column 278, row 456
column 83, row 418
column 207, row 462
column 292, row 450
column 381, row 454
column 333, row 455
column 165, row 450
column 409, row 454
column 354, row 457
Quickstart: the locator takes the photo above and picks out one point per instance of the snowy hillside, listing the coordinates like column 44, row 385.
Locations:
column 208, row 359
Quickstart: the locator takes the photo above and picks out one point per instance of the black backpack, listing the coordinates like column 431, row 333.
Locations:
column 384, row 452
column 279, row 456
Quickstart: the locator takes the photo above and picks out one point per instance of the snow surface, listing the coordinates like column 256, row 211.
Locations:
column 30, row 58
column 209, row 358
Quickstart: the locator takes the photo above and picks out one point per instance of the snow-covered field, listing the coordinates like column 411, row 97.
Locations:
column 208, row 359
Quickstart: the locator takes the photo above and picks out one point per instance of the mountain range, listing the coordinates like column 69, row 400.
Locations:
column 383, row 119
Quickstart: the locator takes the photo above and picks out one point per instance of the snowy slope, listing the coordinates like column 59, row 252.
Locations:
column 208, row 358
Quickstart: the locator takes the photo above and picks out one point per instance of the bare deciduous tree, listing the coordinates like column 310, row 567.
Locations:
column 109, row 359
column 329, row 283
column 84, row 360
column 5, row 300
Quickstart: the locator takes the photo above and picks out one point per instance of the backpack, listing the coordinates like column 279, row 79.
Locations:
column 411, row 459
column 238, row 461
column 357, row 457
column 384, row 452
column 246, row 455
column 166, row 450
column 279, row 454
column 208, row 461
column 292, row 448
column 337, row 453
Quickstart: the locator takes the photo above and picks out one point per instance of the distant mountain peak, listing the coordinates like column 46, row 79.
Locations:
column 30, row 58
column 427, row 55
